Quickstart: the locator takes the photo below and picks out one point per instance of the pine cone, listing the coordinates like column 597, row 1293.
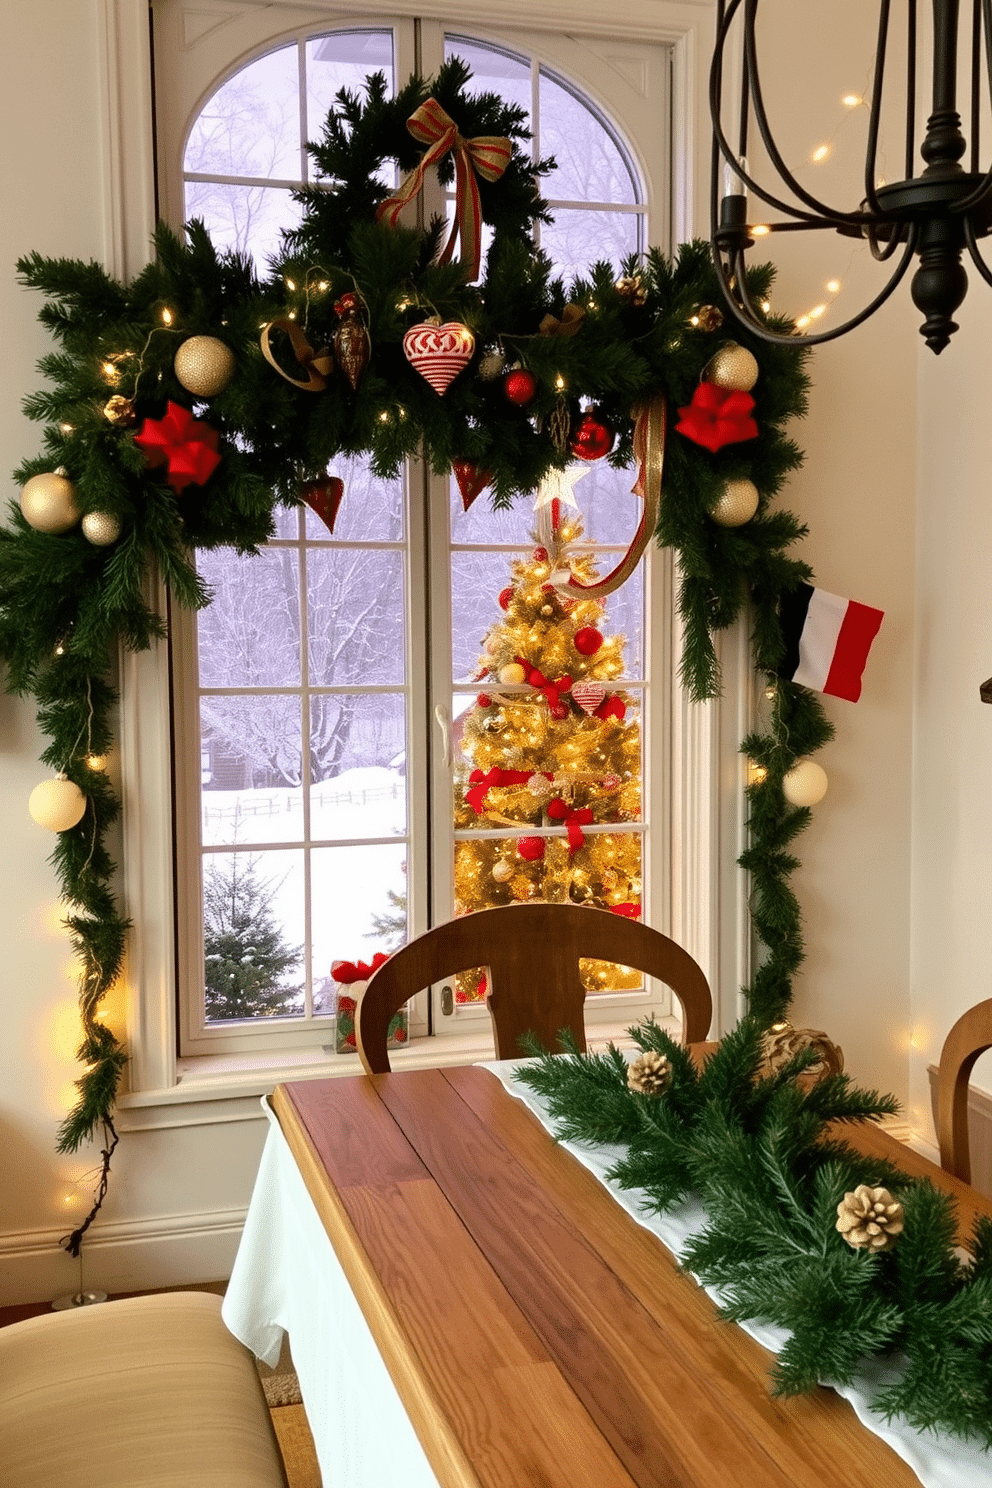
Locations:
column 649, row 1074
column 631, row 287
column 869, row 1218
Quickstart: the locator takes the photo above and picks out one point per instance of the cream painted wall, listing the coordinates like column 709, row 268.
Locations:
column 952, row 879
column 179, row 1191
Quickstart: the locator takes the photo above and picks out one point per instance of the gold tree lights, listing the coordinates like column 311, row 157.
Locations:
column 547, row 791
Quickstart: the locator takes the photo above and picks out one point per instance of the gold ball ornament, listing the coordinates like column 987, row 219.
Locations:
column 57, row 804
column 733, row 367
column 101, row 528
column 805, row 784
column 512, row 673
column 48, row 502
column 119, row 411
column 781, row 1042
column 502, row 871
column 736, row 504
column 204, row 365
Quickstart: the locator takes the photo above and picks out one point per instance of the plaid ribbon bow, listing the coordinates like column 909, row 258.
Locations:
column 487, row 155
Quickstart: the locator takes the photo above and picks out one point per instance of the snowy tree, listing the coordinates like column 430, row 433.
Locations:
column 245, row 955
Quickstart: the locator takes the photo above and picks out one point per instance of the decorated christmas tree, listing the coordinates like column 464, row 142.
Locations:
column 553, row 748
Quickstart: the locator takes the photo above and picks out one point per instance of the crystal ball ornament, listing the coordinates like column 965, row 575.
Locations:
column 736, row 504
column 48, row 502
column 101, row 528
column 204, row 366
column 805, row 784
column 57, row 804
column 733, row 367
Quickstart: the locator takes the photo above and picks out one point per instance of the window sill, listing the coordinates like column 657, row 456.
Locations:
column 227, row 1088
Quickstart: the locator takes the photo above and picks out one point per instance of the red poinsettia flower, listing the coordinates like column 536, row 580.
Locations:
column 186, row 446
column 718, row 416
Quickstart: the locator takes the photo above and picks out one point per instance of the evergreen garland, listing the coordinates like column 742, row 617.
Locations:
column 67, row 606
column 756, row 1153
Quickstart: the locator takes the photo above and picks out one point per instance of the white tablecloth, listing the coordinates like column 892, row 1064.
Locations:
column 287, row 1278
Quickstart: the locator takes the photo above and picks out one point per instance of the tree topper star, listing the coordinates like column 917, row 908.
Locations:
column 557, row 486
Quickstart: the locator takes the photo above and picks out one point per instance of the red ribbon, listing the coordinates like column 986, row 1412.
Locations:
column 187, row 446
column 718, row 416
column 357, row 971
column 487, row 156
column 482, row 784
column 629, row 910
column 574, row 821
column 552, row 690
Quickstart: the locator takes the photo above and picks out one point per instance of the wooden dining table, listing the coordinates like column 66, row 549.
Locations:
column 535, row 1332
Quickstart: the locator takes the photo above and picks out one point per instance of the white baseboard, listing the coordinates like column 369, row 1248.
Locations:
column 129, row 1256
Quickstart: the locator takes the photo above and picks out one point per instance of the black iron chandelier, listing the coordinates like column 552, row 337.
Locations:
column 935, row 214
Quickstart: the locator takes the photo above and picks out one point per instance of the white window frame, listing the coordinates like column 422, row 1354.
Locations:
column 708, row 903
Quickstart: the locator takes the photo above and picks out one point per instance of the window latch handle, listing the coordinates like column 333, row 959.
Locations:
column 444, row 724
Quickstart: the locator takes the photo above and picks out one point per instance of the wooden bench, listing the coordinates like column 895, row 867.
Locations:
column 140, row 1393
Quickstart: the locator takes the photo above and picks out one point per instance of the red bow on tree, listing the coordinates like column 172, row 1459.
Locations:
column 559, row 810
column 185, row 445
column 482, row 784
column 357, row 971
column 718, row 416
column 611, row 707
column 552, row 690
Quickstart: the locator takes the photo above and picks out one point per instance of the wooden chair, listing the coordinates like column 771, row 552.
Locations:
column 531, row 953
column 970, row 1037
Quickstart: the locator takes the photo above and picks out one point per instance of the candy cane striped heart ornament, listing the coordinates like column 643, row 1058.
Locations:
column 439, row 352
column 588, row 695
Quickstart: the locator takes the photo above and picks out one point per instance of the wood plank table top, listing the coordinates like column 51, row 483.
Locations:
column 537, row 1334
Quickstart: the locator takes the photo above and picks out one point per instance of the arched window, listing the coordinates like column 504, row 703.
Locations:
column 319, row 700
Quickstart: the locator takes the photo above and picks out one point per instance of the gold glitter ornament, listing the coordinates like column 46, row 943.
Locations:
column 781, row 1042
column 101, row 528
column 733, row 367
column 48, row 502
column 708, row 318
column 204, row 365
column 119, row 411
column 736, row 504
column 649, row 1074
column 870, row 1219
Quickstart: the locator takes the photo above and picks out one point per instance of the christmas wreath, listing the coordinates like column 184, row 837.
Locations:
column 173, row 423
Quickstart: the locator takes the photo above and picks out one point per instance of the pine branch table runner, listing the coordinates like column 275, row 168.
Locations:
column 535, row 1332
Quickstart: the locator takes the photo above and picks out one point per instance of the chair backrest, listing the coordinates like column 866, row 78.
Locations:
column 970, row 1037
column 531, row 953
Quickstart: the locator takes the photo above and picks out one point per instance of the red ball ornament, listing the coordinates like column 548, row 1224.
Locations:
column 484, row 700
column 558, row 711
column 519, row 386
column 592, row 439
column 505, row 595
column 588, row 640
column 531, row 848
column 540, row 555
